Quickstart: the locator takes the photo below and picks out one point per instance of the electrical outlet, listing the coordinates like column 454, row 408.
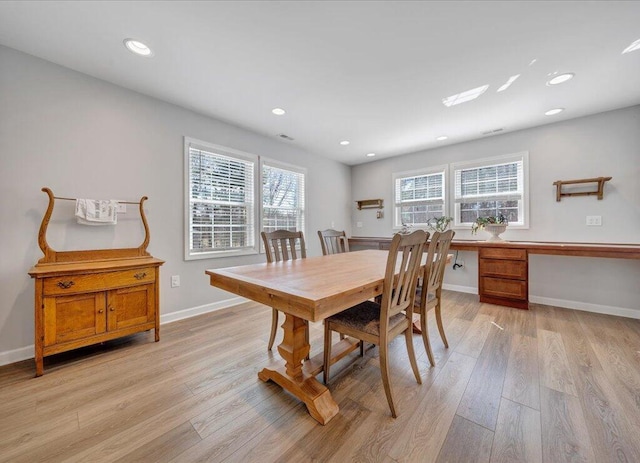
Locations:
column 175, row 281
column 333, row 225
column 594, row 220
column 358, row 224
column 122, row 208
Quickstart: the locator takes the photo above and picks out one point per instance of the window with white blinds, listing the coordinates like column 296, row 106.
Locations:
column 491, row 187
column 221, row 201
column 283, row 198
column 419, row 196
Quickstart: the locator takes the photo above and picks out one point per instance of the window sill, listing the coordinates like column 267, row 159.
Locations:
column 221, row 254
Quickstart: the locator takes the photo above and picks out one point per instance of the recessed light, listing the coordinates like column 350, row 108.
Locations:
column 633, row 47
column 560, row 78
column 464, row 96
column 137, row 47
column 344, row 142
column 511, row 80
column 370, row 155
column 554, row 111
column 278, row 111
column 441, row 138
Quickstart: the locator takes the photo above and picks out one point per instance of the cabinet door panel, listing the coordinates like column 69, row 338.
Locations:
column 68, row 318
column 131, row 306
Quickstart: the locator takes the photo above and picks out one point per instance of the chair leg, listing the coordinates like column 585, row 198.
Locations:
column 274, row 327
column 439, row 321
column 408, row 337
column 327, row 354
column 306, row 336
column 384, row 369
column 425, row 338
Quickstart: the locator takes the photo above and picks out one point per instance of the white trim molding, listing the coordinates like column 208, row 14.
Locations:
column 587, row 307
column 202, row 309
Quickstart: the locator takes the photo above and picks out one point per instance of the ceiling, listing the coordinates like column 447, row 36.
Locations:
column 373, row 73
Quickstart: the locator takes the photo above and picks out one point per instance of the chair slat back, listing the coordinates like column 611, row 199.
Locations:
column 333, row 241
column 438, row 248
column 280, row 245
column 399, row 292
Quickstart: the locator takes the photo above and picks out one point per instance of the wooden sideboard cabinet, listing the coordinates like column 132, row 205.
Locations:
column 92, row 296
column 502, row 276
column 82, row 303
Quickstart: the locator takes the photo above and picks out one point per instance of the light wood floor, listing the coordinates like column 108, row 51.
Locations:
column 546, row 384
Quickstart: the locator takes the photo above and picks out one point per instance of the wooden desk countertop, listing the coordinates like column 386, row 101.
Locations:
column 609, row 250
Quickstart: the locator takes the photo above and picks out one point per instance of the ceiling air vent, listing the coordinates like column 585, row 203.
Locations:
column 491, row 132
column 286, row 137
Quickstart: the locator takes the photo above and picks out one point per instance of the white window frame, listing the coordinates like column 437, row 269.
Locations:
column 523, row 201
column 189, row 254
column 301, row 223
column 397, row 203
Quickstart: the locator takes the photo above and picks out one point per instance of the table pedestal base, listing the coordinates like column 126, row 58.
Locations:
column 293, row 350
column 316, row 396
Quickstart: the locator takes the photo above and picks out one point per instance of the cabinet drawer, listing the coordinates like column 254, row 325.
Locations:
column 516, row 269
column 98, row 281
column 503, row 253
column 498, row 287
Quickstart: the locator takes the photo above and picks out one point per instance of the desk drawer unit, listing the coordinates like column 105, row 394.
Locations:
column 502, row 276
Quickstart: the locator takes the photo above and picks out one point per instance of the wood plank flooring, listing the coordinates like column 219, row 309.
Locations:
column 546, row 385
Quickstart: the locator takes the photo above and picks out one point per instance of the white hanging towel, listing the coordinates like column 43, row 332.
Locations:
column 97, row 211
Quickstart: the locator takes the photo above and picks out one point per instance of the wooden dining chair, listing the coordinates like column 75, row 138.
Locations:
column 429, row 292
column 281, row 245
column 380, row 323
column 333, row 241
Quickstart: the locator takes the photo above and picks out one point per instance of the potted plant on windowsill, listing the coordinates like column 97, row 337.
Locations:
column 493, row 224
column 439, row 224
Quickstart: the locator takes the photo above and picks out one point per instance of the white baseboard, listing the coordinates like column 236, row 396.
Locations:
column 460, row 289
column 587, row 307
column 192, row 312
column 17, row 355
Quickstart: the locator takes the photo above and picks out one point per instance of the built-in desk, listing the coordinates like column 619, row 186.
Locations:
column 503, row 267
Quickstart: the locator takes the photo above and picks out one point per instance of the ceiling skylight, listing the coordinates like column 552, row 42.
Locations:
column 511, row 80
column 553, row 112
column 344, row 142
column 464, row 96
column 442, row 138
column 137, row 47
column 633, row 47
column 560, row 78
column 370, row 155
column 278, row 111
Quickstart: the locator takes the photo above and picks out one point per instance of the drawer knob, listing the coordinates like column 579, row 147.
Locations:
column 65, row 284
column 112, row 309
column 140, row 276
column 101, row 311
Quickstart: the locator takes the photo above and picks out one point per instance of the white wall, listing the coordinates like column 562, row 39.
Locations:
column 86, row 138
column 606, row 144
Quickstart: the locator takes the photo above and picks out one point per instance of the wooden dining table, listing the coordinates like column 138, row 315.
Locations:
column 307, row 289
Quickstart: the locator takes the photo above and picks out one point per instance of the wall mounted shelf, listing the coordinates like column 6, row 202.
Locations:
column 369, row 204
column 600, row 181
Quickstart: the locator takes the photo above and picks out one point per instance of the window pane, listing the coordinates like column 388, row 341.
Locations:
column 491, row 190
column 282, row 199
column 221, row 201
